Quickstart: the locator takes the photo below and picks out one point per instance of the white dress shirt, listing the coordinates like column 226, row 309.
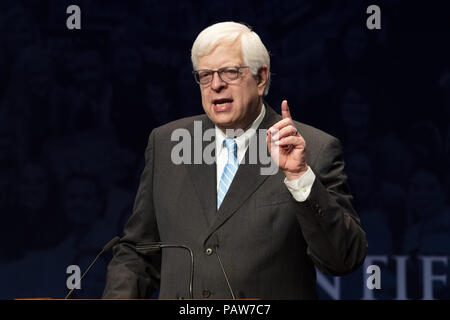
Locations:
column 299, row 188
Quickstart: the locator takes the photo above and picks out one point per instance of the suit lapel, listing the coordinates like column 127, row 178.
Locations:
column 203, row 176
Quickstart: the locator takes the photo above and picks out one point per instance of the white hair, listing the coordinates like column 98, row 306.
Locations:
column 254, row 53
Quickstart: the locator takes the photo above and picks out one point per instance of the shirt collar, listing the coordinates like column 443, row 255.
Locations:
column 243, row 140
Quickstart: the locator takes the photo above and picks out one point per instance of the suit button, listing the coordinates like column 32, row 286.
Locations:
column 320, row 212
column 208, row 251
column 206, row 293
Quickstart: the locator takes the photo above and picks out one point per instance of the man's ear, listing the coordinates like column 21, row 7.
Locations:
column 262, row 77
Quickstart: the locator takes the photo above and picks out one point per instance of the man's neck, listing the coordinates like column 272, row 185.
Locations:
column 242, row 128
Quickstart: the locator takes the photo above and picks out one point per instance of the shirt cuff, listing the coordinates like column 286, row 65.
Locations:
column 300, row 188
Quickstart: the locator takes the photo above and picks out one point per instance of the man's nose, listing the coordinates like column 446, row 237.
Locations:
column 217, row 83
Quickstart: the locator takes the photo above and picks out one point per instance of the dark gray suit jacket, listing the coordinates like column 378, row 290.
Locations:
column 268, row 242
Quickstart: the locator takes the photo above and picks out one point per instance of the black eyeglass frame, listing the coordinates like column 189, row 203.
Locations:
column 220, row 72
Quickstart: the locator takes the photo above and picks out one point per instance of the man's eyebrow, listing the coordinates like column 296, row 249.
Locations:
column 234, row 65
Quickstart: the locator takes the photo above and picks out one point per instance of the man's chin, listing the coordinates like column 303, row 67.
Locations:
column 224, row 126
column 222, row 120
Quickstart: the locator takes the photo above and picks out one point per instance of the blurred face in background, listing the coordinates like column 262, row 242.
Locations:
column 355, row 111
column 40, row 79
column 360, row 175
column 82, row 201
column 33, row 187
column 127, row 63
column 355, row 43
column 89, row 72
column 157, row 102
column 20, row 30
column 426, row 196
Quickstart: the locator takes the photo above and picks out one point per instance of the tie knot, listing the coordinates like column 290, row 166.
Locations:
column 231, row 146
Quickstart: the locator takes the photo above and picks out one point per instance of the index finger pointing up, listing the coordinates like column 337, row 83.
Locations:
column 285, row 113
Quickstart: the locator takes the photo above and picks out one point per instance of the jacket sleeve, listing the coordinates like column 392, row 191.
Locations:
column 131, row 274
column 331, row 227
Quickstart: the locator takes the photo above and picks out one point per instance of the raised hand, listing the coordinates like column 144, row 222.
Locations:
column 287, row 146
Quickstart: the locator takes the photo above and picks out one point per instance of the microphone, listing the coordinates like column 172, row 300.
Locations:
column 216, row 250
column 155, row 246
column 107, row 247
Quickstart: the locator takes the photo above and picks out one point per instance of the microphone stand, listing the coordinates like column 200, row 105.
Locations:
column 157, row 246
column 107, row 247
column 216, row 247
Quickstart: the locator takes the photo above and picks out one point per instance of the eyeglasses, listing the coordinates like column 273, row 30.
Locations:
column 227, row 75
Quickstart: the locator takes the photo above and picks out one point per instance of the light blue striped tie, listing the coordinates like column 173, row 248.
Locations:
column 229, row 171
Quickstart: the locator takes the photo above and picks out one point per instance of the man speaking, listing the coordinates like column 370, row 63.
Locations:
column 252, row 235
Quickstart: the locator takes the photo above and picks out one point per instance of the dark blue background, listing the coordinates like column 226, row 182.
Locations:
column 77, row 106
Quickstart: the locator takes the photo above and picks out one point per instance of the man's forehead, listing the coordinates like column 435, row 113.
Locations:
column 226, row 55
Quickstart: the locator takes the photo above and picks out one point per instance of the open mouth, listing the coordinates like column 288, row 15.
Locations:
column 221, row 105
column 221, row 102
